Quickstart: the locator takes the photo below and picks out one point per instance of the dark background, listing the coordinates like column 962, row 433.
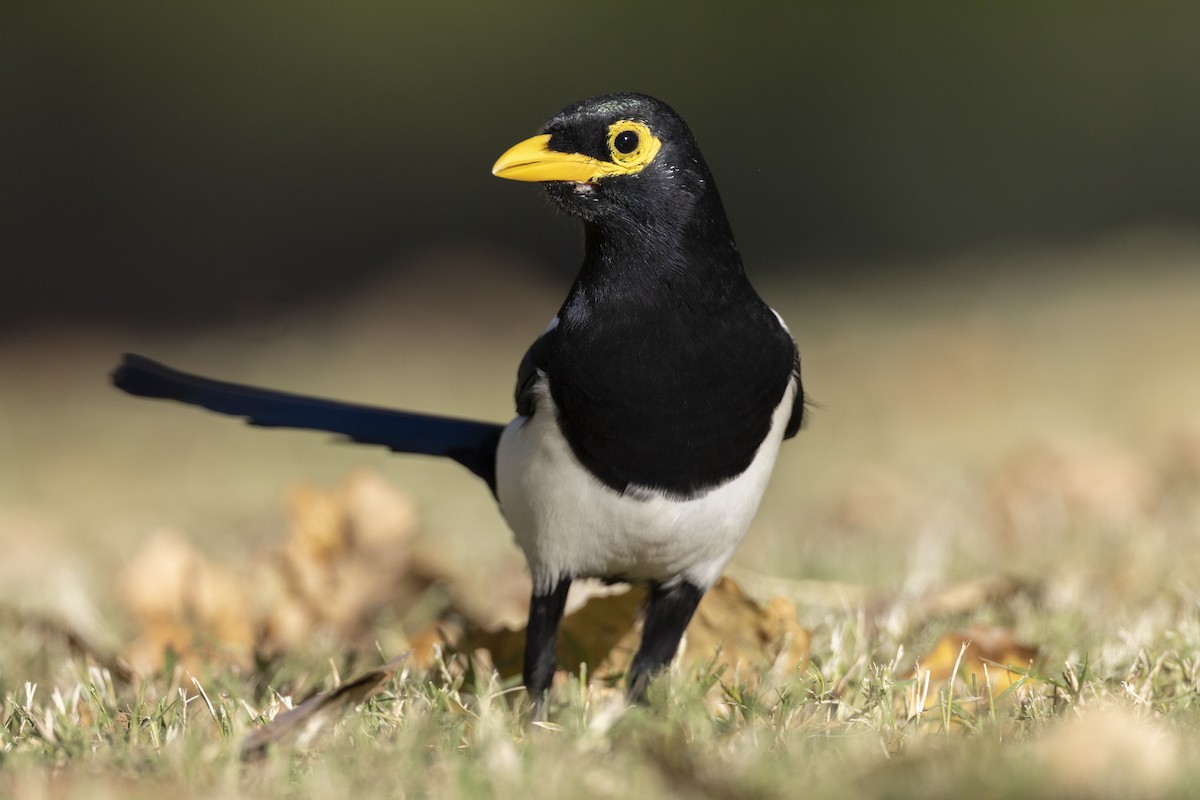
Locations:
column 167, row 164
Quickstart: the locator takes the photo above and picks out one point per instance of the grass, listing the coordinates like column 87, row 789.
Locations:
column 841, row 726
column 1044, row 430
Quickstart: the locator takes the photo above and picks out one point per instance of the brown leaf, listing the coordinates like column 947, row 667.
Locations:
column 745, row 634
column 980, row 658
column 187, row 604
column 602, row 634
column 603, row 619
column 317, row 711
column 349, row 555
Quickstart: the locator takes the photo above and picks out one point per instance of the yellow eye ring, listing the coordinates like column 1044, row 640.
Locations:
column 631, row 145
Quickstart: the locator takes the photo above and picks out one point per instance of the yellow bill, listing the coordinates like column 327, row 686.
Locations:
column 533, row 160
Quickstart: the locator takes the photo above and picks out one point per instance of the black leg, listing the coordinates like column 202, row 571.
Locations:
column 668, row 612
column 541, row 641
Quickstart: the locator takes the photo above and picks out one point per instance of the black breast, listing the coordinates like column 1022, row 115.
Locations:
column 670, row 398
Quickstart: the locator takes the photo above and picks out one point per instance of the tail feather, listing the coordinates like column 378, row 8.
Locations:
column 470, row 443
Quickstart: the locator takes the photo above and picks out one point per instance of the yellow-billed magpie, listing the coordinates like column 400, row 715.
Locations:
column 649, row 413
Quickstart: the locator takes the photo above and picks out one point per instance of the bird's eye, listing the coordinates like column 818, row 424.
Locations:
column 631, row 145
column 625, row 142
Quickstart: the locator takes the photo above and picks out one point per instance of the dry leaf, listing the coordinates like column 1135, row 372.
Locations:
column 597, row 621
column 349, row 555
column 185, row 604
column 747, row 634
column 977, row 659
column 304, row 721
column 602, row 634
column 819, row 593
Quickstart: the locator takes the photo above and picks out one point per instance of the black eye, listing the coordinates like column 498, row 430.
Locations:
column 626, row 142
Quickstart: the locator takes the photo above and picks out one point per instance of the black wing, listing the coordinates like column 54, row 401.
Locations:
column 799, row 405
column 531, row 365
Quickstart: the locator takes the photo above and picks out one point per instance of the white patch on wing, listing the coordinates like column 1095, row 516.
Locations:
column 570, row 524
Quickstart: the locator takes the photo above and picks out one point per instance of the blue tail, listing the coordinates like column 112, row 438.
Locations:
column 472, row 444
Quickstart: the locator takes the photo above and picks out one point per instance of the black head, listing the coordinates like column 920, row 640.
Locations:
column 617, row 158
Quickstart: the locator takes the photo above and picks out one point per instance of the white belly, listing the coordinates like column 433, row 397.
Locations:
column 571, row 525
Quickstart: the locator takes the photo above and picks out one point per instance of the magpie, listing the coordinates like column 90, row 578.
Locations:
column 649, row 412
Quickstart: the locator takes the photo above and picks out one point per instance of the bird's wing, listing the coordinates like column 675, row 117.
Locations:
column 531, row 367
column 799, row 405
column 800, row 401
column 470, row 443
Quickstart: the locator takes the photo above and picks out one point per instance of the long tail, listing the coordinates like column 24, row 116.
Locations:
column 472, row 444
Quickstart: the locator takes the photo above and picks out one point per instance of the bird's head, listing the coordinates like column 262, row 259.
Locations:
column 617, row 158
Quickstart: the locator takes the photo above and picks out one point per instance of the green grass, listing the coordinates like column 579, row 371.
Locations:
column 837, row 728
column 1043, row 429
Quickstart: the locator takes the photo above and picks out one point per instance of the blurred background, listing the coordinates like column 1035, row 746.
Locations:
column 979, row 220
column 204, row 162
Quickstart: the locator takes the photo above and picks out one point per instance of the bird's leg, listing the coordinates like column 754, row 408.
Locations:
column 541, row 640
column 668, row 612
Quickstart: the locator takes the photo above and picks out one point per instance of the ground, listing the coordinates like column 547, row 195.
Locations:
column 1033, row 430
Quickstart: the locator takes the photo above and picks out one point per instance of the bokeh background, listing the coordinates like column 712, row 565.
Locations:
column 979, row 220
column 202, row 162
